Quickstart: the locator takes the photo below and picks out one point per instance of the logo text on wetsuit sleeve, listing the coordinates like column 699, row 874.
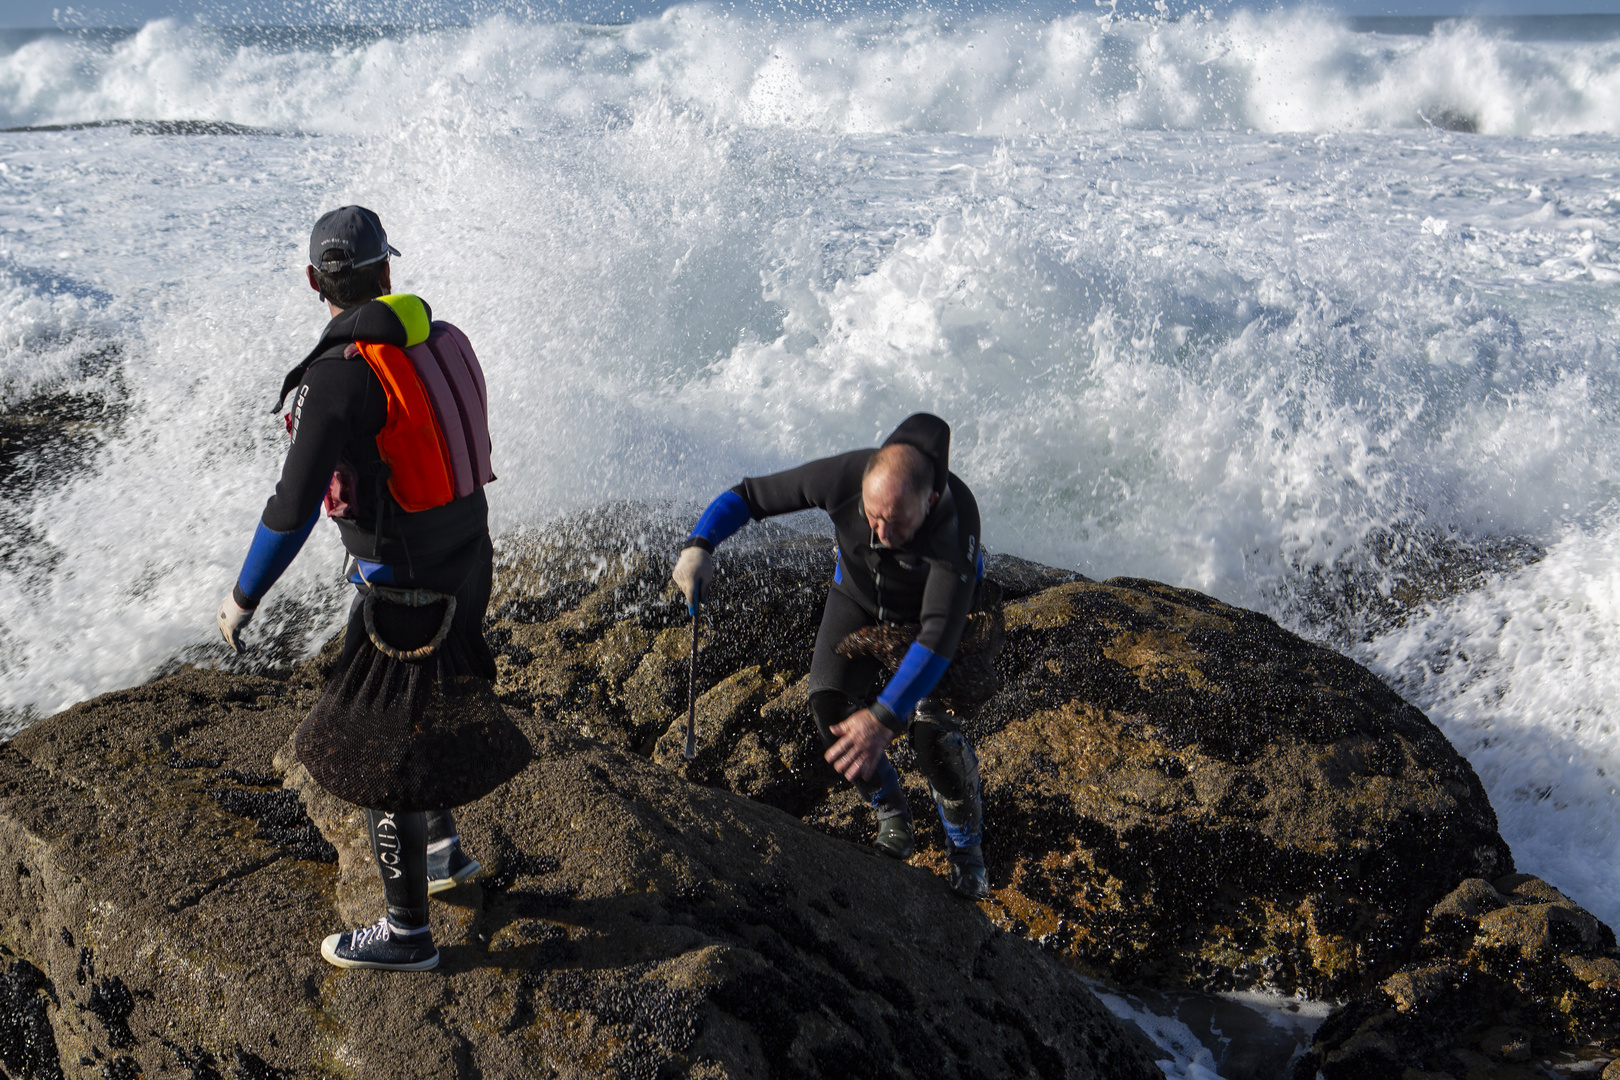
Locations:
column 298, row 411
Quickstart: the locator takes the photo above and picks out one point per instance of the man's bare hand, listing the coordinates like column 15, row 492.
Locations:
column 861, row 739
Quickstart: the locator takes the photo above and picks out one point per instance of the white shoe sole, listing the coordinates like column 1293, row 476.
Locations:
column 439, row 885
column 329, row 952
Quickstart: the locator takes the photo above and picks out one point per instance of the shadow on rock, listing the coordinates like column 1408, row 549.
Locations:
column 165, row 913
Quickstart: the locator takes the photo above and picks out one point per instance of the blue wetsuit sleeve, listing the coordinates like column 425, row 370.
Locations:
column 268, row 556
column 919, row 673
column 725, row 515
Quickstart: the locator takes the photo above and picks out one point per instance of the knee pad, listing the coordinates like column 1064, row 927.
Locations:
column 946, row 761
column 955, row 788
column 932, row 710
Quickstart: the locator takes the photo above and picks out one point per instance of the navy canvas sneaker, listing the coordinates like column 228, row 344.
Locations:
column 449, row 866
column 382, row 946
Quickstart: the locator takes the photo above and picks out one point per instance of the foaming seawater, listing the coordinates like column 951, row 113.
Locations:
column 1238, row 1036
column 1523, row 676
column 1361, row 376
column 1006, row 75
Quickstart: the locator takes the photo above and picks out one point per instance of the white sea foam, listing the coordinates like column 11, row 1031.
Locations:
column 1185, row 1056
column 52, row 328
column 1524, row 677
column 1302, row 70
column 1276, row 367
column 1203, row 1037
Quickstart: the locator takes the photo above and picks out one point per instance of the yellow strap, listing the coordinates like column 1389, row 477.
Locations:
column 412, row 315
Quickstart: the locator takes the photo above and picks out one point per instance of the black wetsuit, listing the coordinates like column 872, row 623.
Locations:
column 338, row 407
column 932, row 580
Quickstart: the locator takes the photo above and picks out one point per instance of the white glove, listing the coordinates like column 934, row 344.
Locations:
column 694, row 573
column 231, row 617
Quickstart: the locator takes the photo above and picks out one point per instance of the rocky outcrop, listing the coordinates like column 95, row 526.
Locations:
column 1180, row 793
column 1215, row 801
column 1509, row 975
column 162, row 896
column 1180, row 796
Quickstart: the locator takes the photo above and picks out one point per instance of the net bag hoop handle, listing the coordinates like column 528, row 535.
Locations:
column 408, row 598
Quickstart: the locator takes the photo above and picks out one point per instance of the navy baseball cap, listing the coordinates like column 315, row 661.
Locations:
column 352, row 230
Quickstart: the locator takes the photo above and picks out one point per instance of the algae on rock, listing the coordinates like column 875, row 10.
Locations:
column 628, row 924
column 1179, row 794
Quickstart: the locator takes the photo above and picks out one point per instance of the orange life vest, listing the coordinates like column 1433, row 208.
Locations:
column 435, row 440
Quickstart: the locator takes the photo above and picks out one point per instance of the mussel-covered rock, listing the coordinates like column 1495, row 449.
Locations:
column 1179, row 792
column 1508, row 974
column 163, row 895
column 1180, row 795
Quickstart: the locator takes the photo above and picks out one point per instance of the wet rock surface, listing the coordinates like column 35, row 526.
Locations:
column 161, row 913
column 1180, row 794
column 1511, row 979
column 1181, row 797
column 1197, row 796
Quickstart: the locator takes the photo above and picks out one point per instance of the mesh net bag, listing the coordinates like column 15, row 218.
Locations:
column 409, row 721
column 971, row 679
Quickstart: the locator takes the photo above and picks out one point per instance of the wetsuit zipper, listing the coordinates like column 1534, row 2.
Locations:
column 877, row 579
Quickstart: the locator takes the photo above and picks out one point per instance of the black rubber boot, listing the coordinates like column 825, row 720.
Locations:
column 897, row 833
column 968, row 878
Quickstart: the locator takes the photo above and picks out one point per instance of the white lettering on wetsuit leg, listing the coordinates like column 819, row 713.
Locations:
column 388, row 845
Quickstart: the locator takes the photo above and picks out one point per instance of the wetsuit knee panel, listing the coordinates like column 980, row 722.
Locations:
column 829, row 707
column 946, row 761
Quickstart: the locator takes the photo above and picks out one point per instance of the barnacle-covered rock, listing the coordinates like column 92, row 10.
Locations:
column 163, row 896
column 1179, row 794
column 1507, row 972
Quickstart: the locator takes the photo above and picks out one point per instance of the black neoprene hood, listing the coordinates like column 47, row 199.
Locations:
column 932, row 436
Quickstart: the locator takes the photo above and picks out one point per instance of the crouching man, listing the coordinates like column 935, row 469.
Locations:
column 908, row 552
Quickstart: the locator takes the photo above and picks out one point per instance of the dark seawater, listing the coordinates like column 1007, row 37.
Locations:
column 1513, row 27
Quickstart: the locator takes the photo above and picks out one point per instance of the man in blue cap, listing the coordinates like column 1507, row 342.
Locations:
column 908, row 552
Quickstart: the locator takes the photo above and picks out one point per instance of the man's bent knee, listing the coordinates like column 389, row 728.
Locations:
column 944, row 757
column 829, row 707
